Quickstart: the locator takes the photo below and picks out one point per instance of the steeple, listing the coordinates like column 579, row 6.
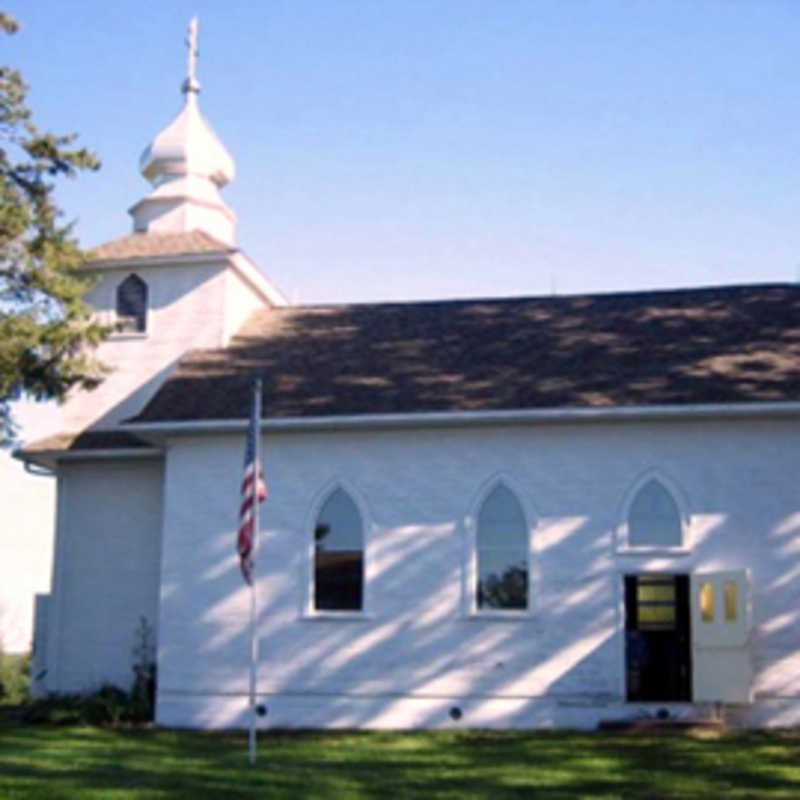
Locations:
column 187, row 165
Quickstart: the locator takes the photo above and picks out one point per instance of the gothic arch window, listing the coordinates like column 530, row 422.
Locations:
column 131, row 305
column 654, row 519
column 338, row 555
column 501, row 552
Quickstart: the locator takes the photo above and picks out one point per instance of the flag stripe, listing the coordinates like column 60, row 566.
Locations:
column 252, row 489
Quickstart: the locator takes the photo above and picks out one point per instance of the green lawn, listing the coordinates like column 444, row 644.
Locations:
column 81, row 762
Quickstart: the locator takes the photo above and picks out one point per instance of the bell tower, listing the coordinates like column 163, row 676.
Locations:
column 179, row 281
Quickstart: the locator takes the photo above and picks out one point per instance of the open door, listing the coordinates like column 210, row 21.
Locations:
column 720, row 608
column 657, row 643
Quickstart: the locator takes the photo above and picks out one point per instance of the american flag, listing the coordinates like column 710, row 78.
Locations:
column 253, row 489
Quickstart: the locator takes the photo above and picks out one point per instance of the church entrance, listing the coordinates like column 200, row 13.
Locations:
column 657, row 638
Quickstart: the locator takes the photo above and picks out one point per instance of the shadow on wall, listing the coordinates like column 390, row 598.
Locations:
column 422, row 647
column 345, row 673
column 135, row 400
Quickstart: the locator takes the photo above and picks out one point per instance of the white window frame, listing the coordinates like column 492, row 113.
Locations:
column 672, row 488
column 470, row 586
column 308, row 611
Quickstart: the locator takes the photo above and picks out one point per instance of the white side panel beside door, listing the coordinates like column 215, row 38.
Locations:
column 721, row 665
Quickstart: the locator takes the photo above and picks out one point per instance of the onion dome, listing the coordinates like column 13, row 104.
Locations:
column 186, row 164
column 187, row 146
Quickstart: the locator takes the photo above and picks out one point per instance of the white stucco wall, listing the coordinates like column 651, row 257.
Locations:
column 415, row 653
column 241, row 300
column 105, row 572
column 164, row 212
column 187, row 308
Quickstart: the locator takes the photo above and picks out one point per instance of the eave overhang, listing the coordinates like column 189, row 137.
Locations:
column 160, row 431
column 50, row 459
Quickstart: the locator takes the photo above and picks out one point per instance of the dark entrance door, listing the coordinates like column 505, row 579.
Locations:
column 657, row 638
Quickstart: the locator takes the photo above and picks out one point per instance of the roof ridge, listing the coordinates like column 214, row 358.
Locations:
column 682, row 290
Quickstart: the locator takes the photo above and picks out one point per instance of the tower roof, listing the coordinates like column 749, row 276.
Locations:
column 187, row 146
column 187, row 164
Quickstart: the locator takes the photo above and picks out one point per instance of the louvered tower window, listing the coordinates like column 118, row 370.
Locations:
column 132, row 305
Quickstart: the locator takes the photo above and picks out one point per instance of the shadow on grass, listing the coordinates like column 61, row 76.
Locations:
column 56, row 763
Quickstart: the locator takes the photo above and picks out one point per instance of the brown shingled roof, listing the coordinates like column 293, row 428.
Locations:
column 147, row 245
column 715, row 345
column 85, row 440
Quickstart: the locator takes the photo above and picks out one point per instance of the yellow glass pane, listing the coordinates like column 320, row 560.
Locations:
column 707, row 602
column 656, row 614
column 656, row 592
column 653, row 578
column 731, row 601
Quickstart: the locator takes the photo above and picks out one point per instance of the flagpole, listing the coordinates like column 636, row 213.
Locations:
column 251, row 738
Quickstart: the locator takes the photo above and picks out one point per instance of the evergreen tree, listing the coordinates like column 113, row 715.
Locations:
column 46, row 332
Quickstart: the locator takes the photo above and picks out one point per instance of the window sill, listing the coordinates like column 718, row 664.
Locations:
column 344, row 616
column 654, row 551
column 123, row 336
column 501, row 616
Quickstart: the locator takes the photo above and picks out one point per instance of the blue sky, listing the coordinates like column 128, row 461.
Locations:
column 415, row 149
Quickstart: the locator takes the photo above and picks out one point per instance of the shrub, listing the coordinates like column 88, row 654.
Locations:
column 109, row 705
column 14, row 678
column 143, row 690
column 60, row 709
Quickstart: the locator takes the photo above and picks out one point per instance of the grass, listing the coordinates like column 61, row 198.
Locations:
column 148, row 764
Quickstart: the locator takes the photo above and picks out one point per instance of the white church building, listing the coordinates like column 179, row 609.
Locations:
column 529, row 512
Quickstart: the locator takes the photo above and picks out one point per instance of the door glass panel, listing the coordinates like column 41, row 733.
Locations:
column 707, row 601
column 656, row 616
column 656, row 592
column 655, row 602
column 731, row 591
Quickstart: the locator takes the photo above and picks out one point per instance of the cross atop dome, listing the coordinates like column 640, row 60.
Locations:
column 191, row 84
column 187, row 164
